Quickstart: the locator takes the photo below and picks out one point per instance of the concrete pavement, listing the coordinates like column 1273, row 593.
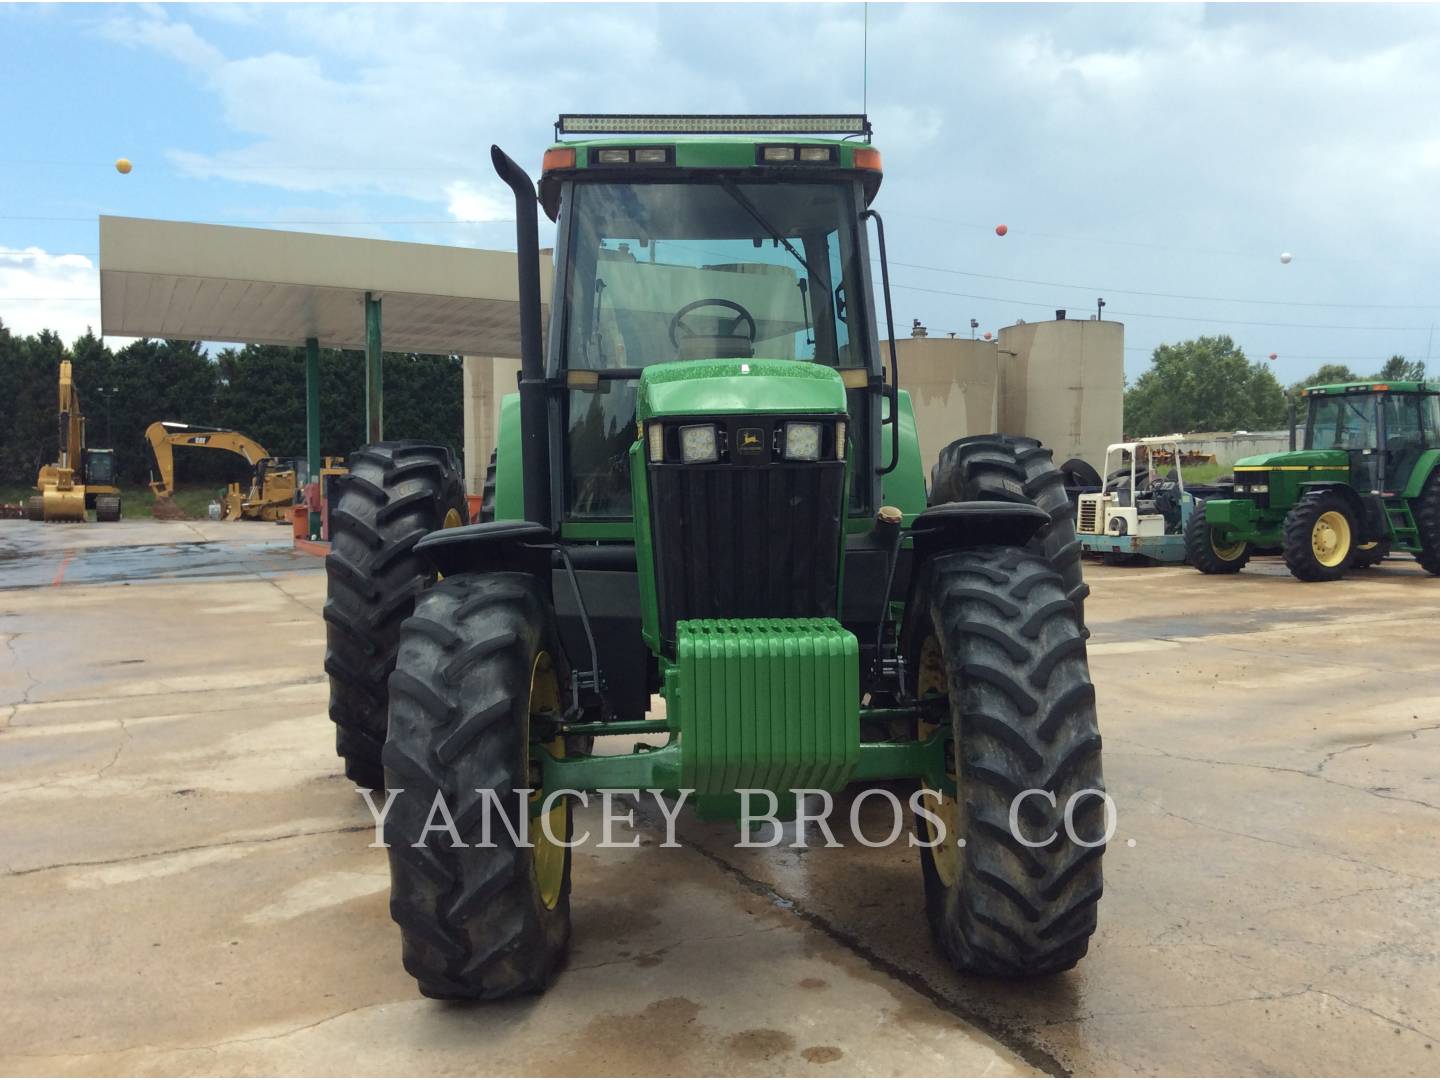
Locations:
column 187, row 887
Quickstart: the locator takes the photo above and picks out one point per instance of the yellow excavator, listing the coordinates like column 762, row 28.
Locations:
column 80, row 479
column 272, row 485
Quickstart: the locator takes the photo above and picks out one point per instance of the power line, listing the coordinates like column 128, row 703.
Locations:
column 1162, row 295
column 1149, row 315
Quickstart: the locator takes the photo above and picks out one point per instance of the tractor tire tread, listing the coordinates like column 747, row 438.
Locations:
column 373, row 577
column 1024, row 716
column 471, row 921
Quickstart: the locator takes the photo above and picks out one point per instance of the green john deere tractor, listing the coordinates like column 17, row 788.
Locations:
column 1365, row 484
column 708, row 490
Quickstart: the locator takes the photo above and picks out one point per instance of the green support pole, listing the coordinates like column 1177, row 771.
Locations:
column 374, row 384
column 312, row 422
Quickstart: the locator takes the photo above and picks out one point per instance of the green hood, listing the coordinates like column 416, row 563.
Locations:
column 1322, row 459
column 707, row 387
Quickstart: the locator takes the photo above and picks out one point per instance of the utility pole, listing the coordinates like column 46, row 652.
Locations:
column 107, row 392
column 1099, row 307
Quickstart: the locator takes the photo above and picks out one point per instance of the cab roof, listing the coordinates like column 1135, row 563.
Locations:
column 771, row 147
column 1363, row 386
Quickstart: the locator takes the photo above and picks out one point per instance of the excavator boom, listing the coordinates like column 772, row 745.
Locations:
column 272, row 483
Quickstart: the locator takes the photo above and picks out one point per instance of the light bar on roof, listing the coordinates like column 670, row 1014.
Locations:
column 681, row 124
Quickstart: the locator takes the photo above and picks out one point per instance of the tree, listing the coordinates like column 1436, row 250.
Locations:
column 1398, row 369
column 1326, row 374
column 1205, row 384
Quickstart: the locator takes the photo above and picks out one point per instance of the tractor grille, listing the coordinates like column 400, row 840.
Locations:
column 734, row 541
column 1089, row 513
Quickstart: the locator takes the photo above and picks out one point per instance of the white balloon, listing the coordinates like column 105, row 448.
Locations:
column 1285, row 257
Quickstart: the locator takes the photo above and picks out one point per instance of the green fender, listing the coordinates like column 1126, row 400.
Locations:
column 509, row 489
column 1428, row 463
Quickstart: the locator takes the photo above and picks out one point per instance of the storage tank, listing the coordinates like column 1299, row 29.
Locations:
column 952, row 384
column 1062, row 381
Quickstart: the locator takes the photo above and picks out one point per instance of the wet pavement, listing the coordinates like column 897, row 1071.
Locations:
column 188, row 889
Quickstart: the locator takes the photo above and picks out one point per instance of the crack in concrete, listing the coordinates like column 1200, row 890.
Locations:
column 1280, row 843
column 211, row 1048
column 1309, row 774
column 30, row 681
column 1178, row 1007
column 86, row 863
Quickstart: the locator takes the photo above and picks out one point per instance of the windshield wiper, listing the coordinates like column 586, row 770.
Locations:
column 733, row 190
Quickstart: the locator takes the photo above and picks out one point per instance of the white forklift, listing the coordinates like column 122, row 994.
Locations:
column 1139, row 511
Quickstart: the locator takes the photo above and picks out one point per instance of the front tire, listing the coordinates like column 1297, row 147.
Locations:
column 35, row 508
column 107, row 507
column 1319, row 536
column 1015, row 468
column 477, row 665
column 1006, row 646
column 395, row 493
column 1372, row 554
column 1209, row 553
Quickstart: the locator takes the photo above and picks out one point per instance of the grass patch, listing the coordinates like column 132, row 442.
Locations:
column 136, row 501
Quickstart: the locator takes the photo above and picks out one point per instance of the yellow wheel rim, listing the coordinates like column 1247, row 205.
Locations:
column 931, row 682
column 549, row 857
column 452, row 518
column 1330, row 538
column 1227, row 552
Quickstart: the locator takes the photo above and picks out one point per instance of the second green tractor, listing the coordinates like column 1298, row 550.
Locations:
column 1365, row 483
column 708, row 492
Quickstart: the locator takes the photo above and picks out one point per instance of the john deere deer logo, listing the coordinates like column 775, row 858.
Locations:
column 752, row 440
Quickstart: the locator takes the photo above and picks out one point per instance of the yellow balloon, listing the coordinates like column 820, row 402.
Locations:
column 122, row 165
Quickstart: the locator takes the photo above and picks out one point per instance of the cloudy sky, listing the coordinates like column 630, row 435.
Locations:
column 1159, row 156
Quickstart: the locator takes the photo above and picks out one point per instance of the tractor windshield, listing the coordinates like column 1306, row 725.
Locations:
column 708, row 270
column 701, row 270
column 1342, row 422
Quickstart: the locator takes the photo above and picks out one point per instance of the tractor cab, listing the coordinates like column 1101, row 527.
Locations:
column 734, row 254
column 1381, row 429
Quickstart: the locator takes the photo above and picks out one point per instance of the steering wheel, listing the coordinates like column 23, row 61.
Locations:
column 677, row 322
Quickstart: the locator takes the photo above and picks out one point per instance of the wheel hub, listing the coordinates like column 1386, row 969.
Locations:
column 1330, row 538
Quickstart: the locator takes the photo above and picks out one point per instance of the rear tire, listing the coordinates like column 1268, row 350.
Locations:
column 107, row 507
column 395, row 493
column 1427, row 521
column 1014, row 468
column 1010, row 653
column 1319, row 536
column 1208, row 555
column 1080, row 473
column 476, row 922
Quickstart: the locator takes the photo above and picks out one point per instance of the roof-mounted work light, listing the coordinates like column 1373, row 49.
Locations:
column 728, row 124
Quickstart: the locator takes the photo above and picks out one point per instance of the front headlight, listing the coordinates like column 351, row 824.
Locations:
column 840, row 440
column 656, row 436
column 802, row 441
column 699, row 443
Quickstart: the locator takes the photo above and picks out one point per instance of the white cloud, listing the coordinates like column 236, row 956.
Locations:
column 1179, row 130
column 466, row 202
column 41, row 291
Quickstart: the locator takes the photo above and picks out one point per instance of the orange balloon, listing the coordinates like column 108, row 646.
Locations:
column 987, row 335
column 123, row 166
column 1001, row 230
